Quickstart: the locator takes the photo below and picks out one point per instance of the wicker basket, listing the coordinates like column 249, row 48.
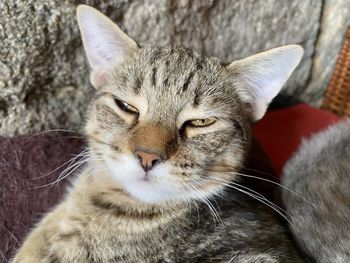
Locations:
column 337, row 95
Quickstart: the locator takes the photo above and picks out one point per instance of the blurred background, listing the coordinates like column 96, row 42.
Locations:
column 44, row 80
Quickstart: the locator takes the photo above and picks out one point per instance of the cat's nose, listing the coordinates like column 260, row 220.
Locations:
column 147, row 160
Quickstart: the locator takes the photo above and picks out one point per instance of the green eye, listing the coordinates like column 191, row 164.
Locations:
column 202, row 122
column 126, row 107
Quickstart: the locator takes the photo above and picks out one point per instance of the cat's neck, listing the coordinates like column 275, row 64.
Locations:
column 98, row 191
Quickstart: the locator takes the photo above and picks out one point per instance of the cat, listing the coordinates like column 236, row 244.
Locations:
column 168, row 130
column 320, row 170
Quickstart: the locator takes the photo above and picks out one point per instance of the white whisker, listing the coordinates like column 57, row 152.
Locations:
column 68, row 171
column 56, row 169
column 278, row 184
column 262, row 179
column 256, row 196
column 208, row 203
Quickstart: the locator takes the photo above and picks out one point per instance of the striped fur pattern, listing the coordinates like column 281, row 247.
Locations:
column 151, row 100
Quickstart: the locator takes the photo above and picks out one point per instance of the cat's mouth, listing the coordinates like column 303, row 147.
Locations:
column 157, row 185
column 152, row 186
column 146, row 177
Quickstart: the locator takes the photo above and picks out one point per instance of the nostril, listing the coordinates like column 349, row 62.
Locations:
column 155, row 161
column 139, row 157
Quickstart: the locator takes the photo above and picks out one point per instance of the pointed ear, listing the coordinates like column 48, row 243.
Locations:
column 260, row 77
column 104, row 42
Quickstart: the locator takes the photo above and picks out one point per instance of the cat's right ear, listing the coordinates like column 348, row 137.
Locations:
column 260, row 77
column 105, row 44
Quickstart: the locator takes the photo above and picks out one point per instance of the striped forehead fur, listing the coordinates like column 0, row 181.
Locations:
column 173, row 76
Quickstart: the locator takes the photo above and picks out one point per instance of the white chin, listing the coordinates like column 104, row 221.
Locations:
column 159, row 186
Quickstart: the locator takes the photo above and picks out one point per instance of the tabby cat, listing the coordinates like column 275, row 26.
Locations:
column 168, row 130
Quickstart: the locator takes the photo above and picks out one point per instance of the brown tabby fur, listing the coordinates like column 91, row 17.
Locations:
column 108, row 216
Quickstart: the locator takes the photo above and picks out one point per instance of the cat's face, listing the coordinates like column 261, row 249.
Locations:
column 177, row 106
column 168, row 123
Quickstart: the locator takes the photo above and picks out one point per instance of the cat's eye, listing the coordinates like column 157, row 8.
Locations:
column 196, row 123
column 126, row 107
column 201, row 122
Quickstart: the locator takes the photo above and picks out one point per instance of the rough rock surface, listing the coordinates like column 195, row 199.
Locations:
column 44, row 74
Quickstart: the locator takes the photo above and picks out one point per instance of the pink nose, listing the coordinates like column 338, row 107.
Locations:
column 147, row 160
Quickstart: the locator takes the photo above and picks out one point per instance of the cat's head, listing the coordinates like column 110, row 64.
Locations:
column 169, row 123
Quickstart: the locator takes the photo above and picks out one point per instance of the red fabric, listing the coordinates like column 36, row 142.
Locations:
column 280, row 132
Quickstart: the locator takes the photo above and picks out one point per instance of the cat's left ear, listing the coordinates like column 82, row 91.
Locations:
column 105, row 44
column 260, row 77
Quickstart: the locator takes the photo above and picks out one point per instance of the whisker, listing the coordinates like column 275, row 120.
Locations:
column 278, row 184
column 202, row 197
column 256, row 196
column 260, row 172
column 69, row 161
column 229, row 183
column 192, row 199
column 54, row 130
column 72, row 165
column 64, row 174
column 11, row 234
column 259, row 178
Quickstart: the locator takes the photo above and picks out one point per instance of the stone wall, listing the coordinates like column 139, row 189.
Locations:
column 44, row 74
